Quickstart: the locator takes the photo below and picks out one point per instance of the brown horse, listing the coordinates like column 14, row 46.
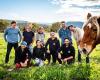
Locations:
column 91, row 36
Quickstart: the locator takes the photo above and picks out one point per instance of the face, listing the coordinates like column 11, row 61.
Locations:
column 23, row 47
column 52, row 35
column 41, row 30
column 27, row 28
column 38, row 43
column 66, row 41
column 14, row 25
column 87, row 43
column 71, row 28
column 63, row 25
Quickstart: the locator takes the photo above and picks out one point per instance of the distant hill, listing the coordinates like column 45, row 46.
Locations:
column 22, row 23
column 18, row 21
column 75, row 23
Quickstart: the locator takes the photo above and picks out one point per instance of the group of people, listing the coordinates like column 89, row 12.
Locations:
column 63, row 52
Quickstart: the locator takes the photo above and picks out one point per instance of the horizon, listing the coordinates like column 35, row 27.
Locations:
column 48, row 11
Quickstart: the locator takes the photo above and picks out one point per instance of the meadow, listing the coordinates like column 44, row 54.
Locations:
column 75, row 71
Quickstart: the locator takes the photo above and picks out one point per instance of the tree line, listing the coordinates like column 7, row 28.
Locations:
column 50, row 27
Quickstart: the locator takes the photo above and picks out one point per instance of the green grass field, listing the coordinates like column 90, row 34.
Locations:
column 51, row 72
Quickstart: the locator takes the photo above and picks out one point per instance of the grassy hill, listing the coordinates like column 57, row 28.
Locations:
column 51, row 72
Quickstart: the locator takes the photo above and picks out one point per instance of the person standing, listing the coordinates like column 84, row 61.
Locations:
column 77, row 34
column 12, row 36
column 54, row 45
column 64, row 32
column 40, row 35
column 28, row 36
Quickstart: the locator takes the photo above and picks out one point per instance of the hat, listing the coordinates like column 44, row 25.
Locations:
column 24, row 43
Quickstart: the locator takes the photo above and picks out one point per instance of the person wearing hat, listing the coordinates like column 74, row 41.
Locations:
column 77, row 34
column 54, row 45
column 22, row 56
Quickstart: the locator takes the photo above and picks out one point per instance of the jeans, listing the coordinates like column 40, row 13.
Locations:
column 39, row 62
column 9, row 48
column 30, row 49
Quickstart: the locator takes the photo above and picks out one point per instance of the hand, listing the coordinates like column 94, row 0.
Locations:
column 23, row 64
column 31, row 44
column 65, row 60
column 48, row 51
column 59, row 55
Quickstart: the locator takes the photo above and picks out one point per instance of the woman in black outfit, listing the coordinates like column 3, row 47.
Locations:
column 22, row 56
column 39, row 53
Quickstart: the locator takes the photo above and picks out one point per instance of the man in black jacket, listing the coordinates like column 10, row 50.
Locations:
column 68, row 52
column 54, row 45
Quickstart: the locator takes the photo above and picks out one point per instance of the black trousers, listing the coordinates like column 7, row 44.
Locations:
column 54, row 55
column 9, row 48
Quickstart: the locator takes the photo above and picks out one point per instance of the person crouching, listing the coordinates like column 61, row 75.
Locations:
column 22, row 56
column 68, row 52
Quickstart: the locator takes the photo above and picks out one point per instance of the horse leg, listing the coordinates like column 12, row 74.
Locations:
column 79, row 56
column 87, row 59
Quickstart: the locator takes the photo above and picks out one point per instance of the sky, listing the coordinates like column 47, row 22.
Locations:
column 48, row 11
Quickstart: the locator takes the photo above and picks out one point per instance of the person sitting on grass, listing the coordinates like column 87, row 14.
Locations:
column 22, row 56
column 39, row 54
column 54, row 45
column 68, row 52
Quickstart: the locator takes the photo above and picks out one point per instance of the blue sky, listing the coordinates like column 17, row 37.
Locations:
column 48, row 10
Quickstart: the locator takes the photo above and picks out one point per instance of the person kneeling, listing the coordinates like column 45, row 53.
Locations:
column 39, row 53
column 22, row 56
column 68, row 52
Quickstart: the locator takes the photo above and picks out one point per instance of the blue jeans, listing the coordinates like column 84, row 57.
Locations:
column 30, row 49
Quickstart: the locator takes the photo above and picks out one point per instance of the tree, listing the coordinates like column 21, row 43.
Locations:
column 3, row 25
column 35, row 26
column 55, row 26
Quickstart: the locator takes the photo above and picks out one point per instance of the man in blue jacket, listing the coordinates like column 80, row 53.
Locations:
column 64, row 32
column 12, row 36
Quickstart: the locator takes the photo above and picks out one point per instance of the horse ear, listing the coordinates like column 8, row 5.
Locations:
column 89, row 15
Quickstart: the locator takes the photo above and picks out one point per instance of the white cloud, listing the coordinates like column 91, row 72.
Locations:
column 76, row 9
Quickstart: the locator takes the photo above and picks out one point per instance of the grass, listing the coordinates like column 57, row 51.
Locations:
column 51, row 72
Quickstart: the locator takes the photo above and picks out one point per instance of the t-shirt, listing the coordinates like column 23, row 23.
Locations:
column 67, row 51
column 28, row 37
